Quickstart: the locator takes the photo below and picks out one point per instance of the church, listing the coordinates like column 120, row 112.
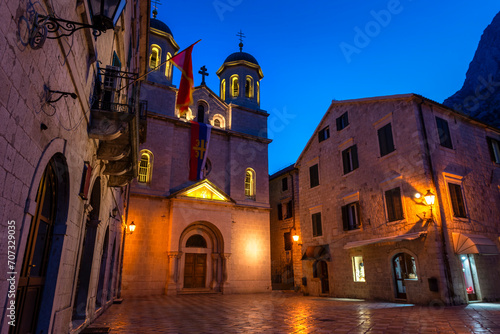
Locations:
column 209, row 235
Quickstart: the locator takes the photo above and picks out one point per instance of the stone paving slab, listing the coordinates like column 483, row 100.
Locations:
column 292, row 313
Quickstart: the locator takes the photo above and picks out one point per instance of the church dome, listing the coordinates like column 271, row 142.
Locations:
column 241, row 56
column 157, row 24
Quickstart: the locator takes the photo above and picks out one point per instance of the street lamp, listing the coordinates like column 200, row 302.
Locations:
column 429, row 198
column 295, row 237
column 41, row 27
column 131, row 228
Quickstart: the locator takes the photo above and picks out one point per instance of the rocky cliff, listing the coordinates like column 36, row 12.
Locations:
column 480, row 95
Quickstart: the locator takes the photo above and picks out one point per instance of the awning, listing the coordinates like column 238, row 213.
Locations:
column 402, row 237
column 321, row 252
column 473, row 244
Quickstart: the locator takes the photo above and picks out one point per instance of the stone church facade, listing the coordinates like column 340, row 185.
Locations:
column 210, row 235
column 367, row 228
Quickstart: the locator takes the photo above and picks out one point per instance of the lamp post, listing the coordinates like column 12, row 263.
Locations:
column 41, row 27
column 428, row 199
column 131, row 228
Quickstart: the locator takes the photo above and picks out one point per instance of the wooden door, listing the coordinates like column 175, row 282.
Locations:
column 195, row 270
column 323, row 275
column 36, row 258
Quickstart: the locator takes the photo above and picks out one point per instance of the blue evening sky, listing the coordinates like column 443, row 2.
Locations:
column 316, row 51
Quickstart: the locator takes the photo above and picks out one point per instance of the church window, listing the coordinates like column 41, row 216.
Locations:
column 155, row 57
column 250, row 183
column 258, row 92
column 223, row 89
column 168, row 67
column 196, row 241
column 145, row 167
column 201, row 113
column 249, row 87
column 218, row 121
column 235, row 87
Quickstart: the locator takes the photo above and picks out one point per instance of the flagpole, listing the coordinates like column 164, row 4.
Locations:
column 154, row 69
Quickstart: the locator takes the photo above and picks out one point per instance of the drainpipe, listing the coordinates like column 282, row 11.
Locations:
column 442, row 227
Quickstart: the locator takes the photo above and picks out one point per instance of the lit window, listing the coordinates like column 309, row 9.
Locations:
column 324, row 134
column 155, row 57
column 350, row 216
column 350, row 159
column 218, row 121
column 385, row 140
column 145, row 167
column 316, row 225
column 393, row 204
column 249, row 87
column 342, row 121
column 235, row 88
column 258, row 92
column 444, row 133
column 358, row 269
column 494, row 146
column 223, row 89
column 250, row 183
column 168, row 67
column 457, row 200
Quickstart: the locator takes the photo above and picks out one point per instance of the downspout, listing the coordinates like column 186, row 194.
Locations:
column 442, row 226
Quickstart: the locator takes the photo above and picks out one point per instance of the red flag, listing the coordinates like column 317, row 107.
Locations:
column 185, row 95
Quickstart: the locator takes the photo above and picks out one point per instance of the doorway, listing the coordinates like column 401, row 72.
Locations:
column 405, row 268
column 469, row 272
column 195, row 270
column 323, row 276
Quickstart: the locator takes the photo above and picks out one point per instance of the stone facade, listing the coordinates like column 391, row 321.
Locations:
column 286, row 254
column 230, row 227
column 63, row 243
column 371, row 224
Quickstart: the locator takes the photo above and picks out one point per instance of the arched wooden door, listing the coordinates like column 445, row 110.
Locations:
column 34, row 269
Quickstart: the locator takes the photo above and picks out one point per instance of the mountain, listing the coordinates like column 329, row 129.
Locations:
column 480, row 95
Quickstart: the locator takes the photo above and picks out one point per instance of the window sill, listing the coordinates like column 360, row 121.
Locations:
column 354, row 230
column 461, row 219
column 444, row 148
column 388, row 155
column 359, row 281
column 394, row 222
column 350, row 172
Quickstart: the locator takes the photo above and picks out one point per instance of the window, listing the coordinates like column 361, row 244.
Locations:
column 350, row 159
column 284, row 184
column 288, row 241
column 280, row 211
column 235, row 88
column 324, row 134
column 258, row 92
column 289, row 210
column 457, row 200
column 250, row 183
column 223, row 89
column 155, row 57
column 385, row 140
column 405, row 266
column 393, row 204
column 342, row 121
column 316, row 225
column 314, row 176
column 350, row 216
column 196, row 241
column 201, row 113
column 494, row 146
column 217, row 123
column 444, row 133
column 358, row 269
column 168, row 66
column 145, row 167
column 249, row 87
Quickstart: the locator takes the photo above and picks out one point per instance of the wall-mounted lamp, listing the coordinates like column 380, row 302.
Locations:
column 295, row 237
column 429, row 198
column 49, row 98
column 40, row 27
column 131, row 228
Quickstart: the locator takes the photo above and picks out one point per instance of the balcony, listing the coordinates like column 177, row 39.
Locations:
column 118, row 120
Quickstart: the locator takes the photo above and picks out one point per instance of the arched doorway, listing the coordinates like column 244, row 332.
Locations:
column 102, row 272
column 87, row 254
column 202, row 261
column 40, row 267
column 405, row 268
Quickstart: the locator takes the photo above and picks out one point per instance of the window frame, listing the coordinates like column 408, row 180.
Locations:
column 494, row 148
column 315, row 223
column 168, row 66
column 385, row 139
column 442, row 125
column 234, row 79
column 350, row 223
column 391, row 214
column 342, row 121
column 324, row 134
column 249, row 87
column 149, row 168
column 454, row 201
column 223, row 89
column 250, row 186
column 350, row 160
column 158, row 56
column 314, row 175
column 284, row 184
column 358, row 278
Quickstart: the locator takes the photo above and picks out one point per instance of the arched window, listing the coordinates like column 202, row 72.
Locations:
column 196, row 241
column 223, row 89
column 145, row 167
column 235, row 87
column 168, row 66
column 258, row 92
column 250, row 183
column 218, row 121
column 155, row 57
column 249, row 86
column 404, row 267
column 201, row 113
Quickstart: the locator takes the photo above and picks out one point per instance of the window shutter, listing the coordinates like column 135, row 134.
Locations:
column 490, row 147
column 319, row 227
column 389, row 202
column 354, row 155
column 345, row 161
column 314, row 176
column 339, row 123
column 358, row 212
column 280, row 212
column 382, row 141
column 398, row 205
column 288, row 241
column 345, row 218
column 289, row 211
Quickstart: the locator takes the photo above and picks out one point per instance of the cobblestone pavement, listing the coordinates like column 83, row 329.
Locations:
column 291, row 313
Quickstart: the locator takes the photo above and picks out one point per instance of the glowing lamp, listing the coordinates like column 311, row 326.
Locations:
column 295, row 237
column 131, row 227
column 429, row 198
column 418, row 195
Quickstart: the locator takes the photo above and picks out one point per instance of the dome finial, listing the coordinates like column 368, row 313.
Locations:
column 241, row 36
column 155, row 5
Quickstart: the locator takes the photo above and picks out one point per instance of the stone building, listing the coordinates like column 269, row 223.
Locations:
column 286, row 253
column 69, row 145
column 210, row 235
column 368, row 231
